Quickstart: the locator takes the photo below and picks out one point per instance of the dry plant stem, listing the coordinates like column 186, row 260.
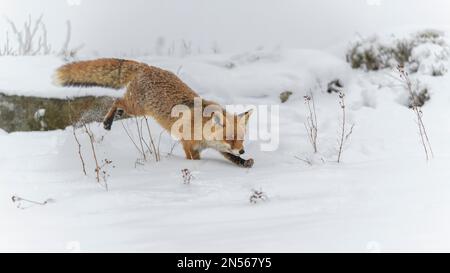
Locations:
column 349, row 133
column 92, row 140
column 105, row 164
column 131, row 138
column 139, row 129
column 304, row 160
column 156, row 153
column 76, row 138
column 16, row 198
column 149, row 149
column 424, row 131
column 418, row 112
column 172, row 148
column 159, row 145
column 343, row 135
column 341, row 141
column 311, row 124
column 150, row 145
column 79, row 150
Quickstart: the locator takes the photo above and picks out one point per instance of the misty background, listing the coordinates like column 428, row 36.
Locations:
column 132, row 27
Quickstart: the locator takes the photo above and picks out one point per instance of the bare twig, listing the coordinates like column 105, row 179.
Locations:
column 344, row 134
column 418, row 112
column 141, row 139
column 311, row 121
column 74, row 128
column 155, row 151
column 131, row 138
column 92, row 140
column 307, row 161
column 172, row 148
column 139, row 144
column 18, row 200
column 105, row 175
column 79, row 150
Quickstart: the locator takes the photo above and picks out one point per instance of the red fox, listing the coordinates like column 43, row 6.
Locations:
column 155, row 92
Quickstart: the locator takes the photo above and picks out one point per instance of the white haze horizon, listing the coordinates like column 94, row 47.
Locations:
column 115, row 27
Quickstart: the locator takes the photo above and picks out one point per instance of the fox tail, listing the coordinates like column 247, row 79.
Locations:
column 111, row 73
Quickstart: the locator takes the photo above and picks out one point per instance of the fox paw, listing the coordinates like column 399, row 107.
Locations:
column 107, row 125
column 248, row 163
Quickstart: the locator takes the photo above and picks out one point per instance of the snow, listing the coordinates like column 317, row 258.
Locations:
column 384, row 196
column 32, row 76
column 257, row 73
column 40, row 113
column 432, row 58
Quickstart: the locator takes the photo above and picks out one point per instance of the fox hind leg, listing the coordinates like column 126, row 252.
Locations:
column 116, row 109
column 109, row 118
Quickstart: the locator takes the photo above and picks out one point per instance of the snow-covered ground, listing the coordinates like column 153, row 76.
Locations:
column 384, row 196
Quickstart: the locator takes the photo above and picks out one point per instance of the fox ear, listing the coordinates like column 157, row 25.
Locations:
column 246, row 115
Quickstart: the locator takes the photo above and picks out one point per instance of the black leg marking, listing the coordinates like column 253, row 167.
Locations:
column 119, row 113
column 107, row 123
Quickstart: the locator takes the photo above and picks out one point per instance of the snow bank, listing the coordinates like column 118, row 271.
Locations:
column 32, row 76
column 252, row 74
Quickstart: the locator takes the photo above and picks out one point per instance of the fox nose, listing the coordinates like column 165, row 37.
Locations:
column 242, row 152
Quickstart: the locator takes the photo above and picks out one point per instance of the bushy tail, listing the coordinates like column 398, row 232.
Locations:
column 112, row 73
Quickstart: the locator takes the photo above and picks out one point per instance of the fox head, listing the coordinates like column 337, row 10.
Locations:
column 228, row 131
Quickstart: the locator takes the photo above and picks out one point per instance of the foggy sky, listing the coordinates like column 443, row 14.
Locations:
column 116, row 26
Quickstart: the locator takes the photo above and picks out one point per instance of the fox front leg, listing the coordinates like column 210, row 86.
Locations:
column 191, row 153
column 238, row 160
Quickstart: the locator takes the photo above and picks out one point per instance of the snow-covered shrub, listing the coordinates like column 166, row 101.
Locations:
column 335, row 86
column 284, row 96
column 425, row 51
column 368, row 54
column 420, row 95
column 420, row 98
column 187, row 176
column 430, row 59
column 401, row 51
column 430, row 36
